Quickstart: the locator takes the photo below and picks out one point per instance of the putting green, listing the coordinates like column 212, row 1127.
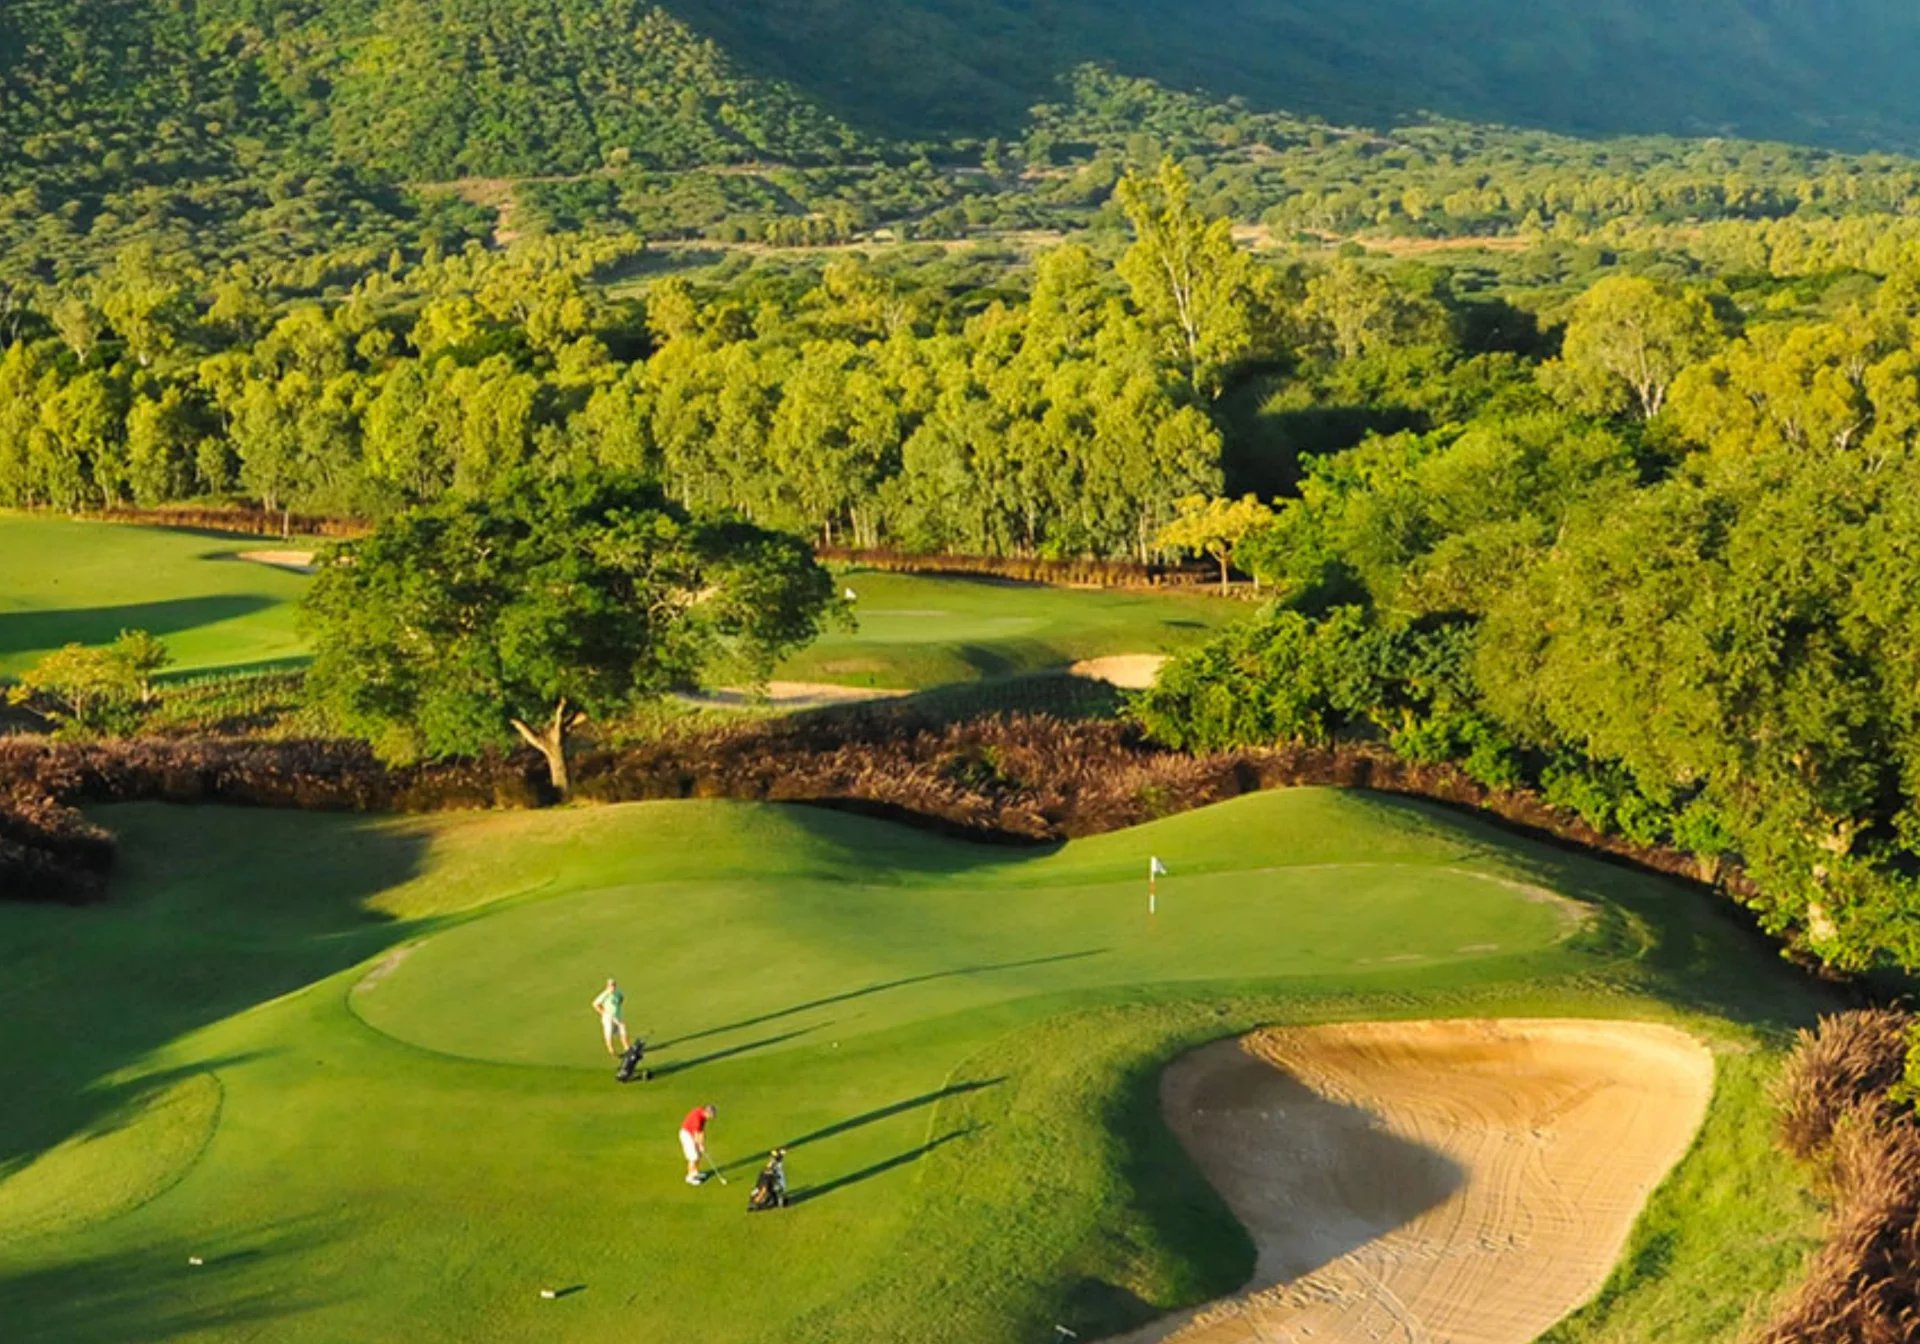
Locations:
column 416, row 1130
column 844, row 943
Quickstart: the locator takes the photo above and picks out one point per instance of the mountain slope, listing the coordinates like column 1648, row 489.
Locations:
column 1788, row 69
column 436, row 88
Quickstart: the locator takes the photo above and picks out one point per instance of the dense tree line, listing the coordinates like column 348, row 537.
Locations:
column 1668, row 582
column 856, row 409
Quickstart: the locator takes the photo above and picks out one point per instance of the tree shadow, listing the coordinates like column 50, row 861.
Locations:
column 188, row 938
column 1690, row 944
column 879, row 988
column 713, row 1057
column 867, row 1173
column 988, row 661
column 153, row 1293
column 21, row 631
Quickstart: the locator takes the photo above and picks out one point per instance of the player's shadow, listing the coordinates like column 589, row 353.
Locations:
column 867, row 1173
column 879, row 988
column 715, row 1056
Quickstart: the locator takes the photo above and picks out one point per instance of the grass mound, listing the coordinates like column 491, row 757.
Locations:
column 128, row 1158
column 958, row 1044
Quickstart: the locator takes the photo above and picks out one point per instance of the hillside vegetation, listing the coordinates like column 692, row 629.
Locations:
column 508, row 86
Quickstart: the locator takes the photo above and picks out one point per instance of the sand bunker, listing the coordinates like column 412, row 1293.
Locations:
column 1430, row 1182
column 1128, row 671
column 301, row 562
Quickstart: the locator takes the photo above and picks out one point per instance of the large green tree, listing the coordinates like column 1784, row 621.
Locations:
column 1190, row 278
column 1628, row 338
column 457, row 627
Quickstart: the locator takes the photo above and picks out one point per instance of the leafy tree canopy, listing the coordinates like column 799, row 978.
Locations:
column 454, row 628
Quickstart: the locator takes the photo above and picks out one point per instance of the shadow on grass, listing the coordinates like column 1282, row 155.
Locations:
column 746, row 1047
column 867, row 1173
column 879, row 988
column 24, row 630
column 155, row 1293
column 188, row 938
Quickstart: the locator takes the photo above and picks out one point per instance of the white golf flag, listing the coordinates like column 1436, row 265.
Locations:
column 1155, row 868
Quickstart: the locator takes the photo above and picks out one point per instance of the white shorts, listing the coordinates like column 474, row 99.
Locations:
column 689, row 1145
column 610, row 1023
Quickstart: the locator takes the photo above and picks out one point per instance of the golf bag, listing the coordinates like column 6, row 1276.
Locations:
column 630, row 1064
column 770, row 1191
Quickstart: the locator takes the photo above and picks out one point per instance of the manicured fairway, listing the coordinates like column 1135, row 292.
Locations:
column 74, row 582
column 63, row 581
column 350, row 1065
column 916, row 631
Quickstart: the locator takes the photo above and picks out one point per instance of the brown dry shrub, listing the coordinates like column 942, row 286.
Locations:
column 48, row 851
column 1849, row 1062
column 1863, row 1285
column 1033, row 777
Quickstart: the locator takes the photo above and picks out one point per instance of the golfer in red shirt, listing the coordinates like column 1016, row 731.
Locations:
column 693, row 1141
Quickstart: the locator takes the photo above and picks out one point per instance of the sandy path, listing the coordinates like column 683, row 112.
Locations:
column 1430, row 1182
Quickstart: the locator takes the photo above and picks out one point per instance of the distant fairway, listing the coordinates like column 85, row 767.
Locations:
column 349, row 1063
column 918, row 631
column 67, row 582
column 63, row 581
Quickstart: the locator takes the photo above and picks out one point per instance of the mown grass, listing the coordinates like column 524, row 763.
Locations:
column 917, row 631
column 64, row 581
column 958, row 1044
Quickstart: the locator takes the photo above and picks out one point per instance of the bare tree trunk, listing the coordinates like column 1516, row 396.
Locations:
column 550, row 740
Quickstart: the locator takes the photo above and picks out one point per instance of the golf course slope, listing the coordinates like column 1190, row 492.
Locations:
column 1467, row 1181
column 323, row 1078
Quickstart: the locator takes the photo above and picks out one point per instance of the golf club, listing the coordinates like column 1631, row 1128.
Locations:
column 708, row 1159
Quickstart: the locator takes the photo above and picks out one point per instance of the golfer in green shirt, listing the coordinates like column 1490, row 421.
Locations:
column 607, row 1005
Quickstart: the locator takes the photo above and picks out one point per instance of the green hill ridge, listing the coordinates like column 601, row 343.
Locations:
column 443, row 88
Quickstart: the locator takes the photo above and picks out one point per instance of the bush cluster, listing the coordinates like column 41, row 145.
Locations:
column 1031, row 776
column 1839, row 1110
column 48, row 851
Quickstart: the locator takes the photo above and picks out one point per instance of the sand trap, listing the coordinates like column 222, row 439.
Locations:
column 1430, row 1182
column 301, row 562
column 1128, row 671
column 791, row 695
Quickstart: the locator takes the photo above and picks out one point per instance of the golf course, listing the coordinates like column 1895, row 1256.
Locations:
column 219, row 605
column 317, row 1077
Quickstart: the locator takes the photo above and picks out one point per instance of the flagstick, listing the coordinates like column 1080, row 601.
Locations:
column 1153, row 897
